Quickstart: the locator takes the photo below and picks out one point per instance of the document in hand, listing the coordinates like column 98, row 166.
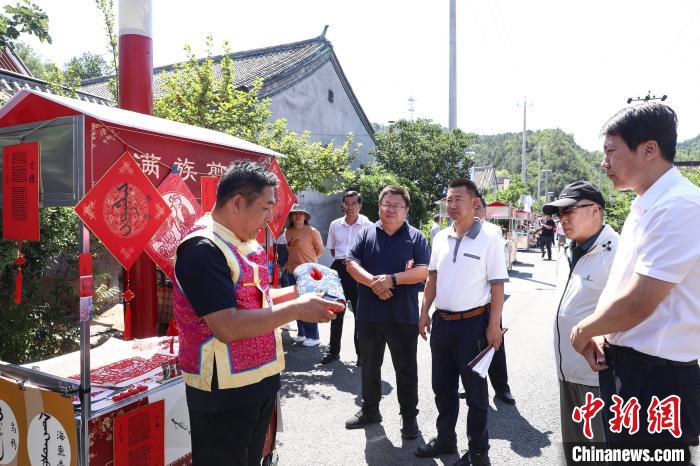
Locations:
column 480, row 364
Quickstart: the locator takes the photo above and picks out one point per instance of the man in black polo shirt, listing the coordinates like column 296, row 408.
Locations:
column 547, row 235
column 388, row 260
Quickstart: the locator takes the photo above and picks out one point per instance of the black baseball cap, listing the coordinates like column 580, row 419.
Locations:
column 571, row 194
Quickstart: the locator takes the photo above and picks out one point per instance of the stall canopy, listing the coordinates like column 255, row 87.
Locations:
column 80, row 141
column 498, row 210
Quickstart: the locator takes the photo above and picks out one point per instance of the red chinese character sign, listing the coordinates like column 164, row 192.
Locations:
column 208, row 188
column 184, row 212
column 124, row 210
column 285, row 200
column 20, row 192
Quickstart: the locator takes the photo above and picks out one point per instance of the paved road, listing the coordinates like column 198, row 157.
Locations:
column 316, row 400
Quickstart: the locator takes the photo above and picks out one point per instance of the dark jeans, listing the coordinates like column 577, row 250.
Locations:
column 498, row 371
column 546, row 241
column 402, row 340
column 453, row 345
column 233, row 437
column 633, row 377
column 350, row 292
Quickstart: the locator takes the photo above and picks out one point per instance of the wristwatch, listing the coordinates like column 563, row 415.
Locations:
column 393, row 280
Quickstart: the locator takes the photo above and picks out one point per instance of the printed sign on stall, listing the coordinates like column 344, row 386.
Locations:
column 20, row 192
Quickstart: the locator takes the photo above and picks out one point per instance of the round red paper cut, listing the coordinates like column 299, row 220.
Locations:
column 125, row 210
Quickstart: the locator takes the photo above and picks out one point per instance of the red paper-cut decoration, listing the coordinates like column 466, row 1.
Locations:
column 208, row 186
column 20, row 261
column 184, row 212
column 139, row 435
column 285, row 200
column 20, row 192
column 124, row 210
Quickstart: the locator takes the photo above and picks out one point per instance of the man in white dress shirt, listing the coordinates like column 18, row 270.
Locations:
column 644, row 336
column 341, row 236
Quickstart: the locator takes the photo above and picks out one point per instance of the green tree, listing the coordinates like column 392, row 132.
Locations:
column 106, row 9
column 88, row 65
column 23, row 18
column 203, row 93
column 371, row 179
column 512, row 195
column 617, row 207
column 424, row 152
column 31, row 58
column 45, row 322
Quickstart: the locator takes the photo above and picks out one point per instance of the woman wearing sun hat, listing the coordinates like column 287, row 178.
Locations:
column 304, row 244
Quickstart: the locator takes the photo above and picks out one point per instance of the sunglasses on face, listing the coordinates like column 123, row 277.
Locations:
column 570, row 210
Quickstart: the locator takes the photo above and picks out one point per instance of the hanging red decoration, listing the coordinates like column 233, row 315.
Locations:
column 184, row 212
column 20, row 192
column 285, row 200
column 123, row 209
column 208, row 187
column 20, row 261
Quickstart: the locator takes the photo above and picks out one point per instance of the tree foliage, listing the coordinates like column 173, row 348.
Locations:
column 106, row 9
column 45, row 322
column 203, row 93
column 88, row 65
column 372, row 178
column 31, row 58
column 23, row 18
column 512, row 195
column 425, row 153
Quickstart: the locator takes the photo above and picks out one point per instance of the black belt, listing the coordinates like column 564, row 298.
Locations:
column 633, row 358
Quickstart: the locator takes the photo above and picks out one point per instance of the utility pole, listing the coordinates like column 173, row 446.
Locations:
column 546, row 183
column 453, row 66
column 524, row 152
column 539, row 161
column 411, row 108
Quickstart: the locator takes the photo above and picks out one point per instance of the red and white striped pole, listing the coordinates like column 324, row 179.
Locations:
column 136, row 94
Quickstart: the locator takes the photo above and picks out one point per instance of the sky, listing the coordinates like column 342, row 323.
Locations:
column 576, row 62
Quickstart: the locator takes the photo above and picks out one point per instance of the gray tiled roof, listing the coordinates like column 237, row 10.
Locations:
column 272, row 64
column 279, row 66
column 11, row 82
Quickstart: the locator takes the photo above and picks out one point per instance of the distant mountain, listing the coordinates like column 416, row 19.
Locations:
column 688, row 150
column 559, row 152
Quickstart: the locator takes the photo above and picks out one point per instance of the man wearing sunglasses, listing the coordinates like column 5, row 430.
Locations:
column 644, row 337
column 582, row 272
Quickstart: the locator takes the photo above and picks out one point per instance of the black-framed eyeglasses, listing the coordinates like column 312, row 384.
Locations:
column 570, row 210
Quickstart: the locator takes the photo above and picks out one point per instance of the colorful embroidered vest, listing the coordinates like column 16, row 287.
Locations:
column 241, row 362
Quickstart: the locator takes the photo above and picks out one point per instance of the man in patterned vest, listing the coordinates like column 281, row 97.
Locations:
column 230, row 348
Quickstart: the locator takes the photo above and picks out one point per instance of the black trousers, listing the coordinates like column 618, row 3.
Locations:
column 498, row 371
column 402, row 340
column 629, row 375
column 546, row 241
column 350, row 291
column 233, row 437
column 454, row 343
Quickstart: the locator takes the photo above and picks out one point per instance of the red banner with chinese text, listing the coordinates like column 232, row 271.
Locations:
column 20, row 192
column 124, row 210
column 184, row 212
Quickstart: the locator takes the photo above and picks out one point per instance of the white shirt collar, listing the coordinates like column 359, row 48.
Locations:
column 361, row 220
column 664, row 183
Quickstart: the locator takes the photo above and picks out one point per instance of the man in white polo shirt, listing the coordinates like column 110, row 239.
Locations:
column 341, row 236
column 649, row 311
column 465, row 280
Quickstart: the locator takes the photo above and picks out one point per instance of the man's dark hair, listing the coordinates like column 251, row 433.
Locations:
column 396, row 189
column 482, row 201
column 651, row 121
column 436, row 217
column 245, row 178
column 468, row 184
column 353, row 194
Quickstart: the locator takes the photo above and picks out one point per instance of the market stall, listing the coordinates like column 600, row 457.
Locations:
column 525, row 233
column 137, row 182
column 503, row 215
